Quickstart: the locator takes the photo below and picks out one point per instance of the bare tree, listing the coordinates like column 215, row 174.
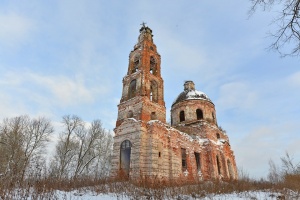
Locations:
column 21, row 140
column 81, row 148
column 289, row 166
column 288, row 21
column 67, row 145
column 89, row 143
column 275, row 175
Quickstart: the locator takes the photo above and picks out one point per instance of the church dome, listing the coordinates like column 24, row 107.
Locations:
column 190, row 93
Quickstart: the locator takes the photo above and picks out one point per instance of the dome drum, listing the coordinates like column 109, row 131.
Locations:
column 191, row 106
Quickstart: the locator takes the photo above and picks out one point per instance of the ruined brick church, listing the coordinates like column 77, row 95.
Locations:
column 192, row 147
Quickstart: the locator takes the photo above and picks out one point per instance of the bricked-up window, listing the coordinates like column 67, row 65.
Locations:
column 218, row 165
column 198, row 162
column 199, row 114
column 153, row 91
column 152, row 65
column 181, row 116
column 132, row 89
column 183, row 158
column 218, row 136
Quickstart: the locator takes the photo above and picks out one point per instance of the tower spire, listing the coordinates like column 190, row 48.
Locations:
column 142, row 96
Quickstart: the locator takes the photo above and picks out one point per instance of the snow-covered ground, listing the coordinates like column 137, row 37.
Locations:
column 252, row 195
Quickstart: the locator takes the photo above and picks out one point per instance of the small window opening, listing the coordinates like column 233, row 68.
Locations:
column 198, row 163
column 183, row 158
column 159, row 154
column 132, row 89
column 181, row 116
column 218, row 165
column 213, row 116
column 199, row 114
column 151, row 47
column 151, row 95
column 153, row 116
column 218, row 136
column 130, row 114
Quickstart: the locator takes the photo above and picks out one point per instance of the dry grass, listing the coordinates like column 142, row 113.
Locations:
column 143, row 188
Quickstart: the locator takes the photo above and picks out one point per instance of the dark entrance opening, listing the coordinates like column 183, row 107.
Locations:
column 125, row 152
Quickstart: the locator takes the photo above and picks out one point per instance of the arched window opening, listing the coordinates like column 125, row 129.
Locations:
column 198, row 162
column 130, row 114
column 132, row 89
column 181, row 116
column 199, row 114
column 152, row 65
column 153, row 92
column 230, row 170
column 218, row 136
column 125, row 152
column 218, row 165
column 183, row 158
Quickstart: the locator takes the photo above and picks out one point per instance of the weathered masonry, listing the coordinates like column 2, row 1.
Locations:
column 192, row 147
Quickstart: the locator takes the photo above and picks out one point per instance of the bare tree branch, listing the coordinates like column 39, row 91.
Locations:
column 287, row 36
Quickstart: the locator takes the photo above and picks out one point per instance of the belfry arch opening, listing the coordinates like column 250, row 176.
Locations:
column 152, row 65
column 132, row 89
column 199, row 114
column 125, row 152
column 153, row 92
column 135, row 65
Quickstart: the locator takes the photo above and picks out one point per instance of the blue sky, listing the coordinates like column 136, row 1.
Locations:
column 69, row 57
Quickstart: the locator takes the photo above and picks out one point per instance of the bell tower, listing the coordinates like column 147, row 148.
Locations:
column 143, row 90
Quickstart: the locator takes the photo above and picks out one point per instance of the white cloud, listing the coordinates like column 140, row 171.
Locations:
column 259, row 146
column 63, row 90
column 14, row 28
column 236, row 95
column 294, row 79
